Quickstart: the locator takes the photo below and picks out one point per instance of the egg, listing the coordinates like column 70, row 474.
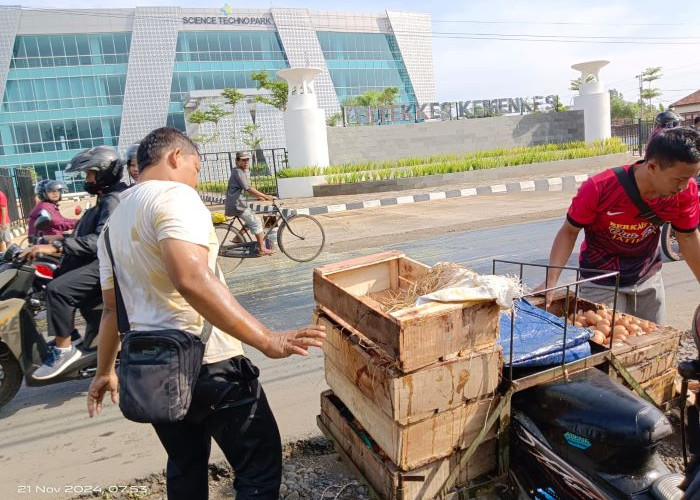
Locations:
column 578, row 323
column 592, row 317
column 598, row 337
column 618, row 331
column 604, row 329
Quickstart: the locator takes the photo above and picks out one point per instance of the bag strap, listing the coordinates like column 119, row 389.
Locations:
column 645, row 211
column 122, row 316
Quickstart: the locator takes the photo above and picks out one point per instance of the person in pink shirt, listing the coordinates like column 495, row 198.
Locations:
column 49, row 193
column 5, row 235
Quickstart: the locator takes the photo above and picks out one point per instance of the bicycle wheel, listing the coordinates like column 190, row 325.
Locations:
column 669, row 244
column 301, row 238
column 230, row 251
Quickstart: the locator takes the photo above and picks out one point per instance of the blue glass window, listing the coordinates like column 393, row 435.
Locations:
column 215, row 60
column 48, row 114
column 359, row 62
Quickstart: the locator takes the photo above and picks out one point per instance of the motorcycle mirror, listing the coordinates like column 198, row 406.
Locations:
column 43, row 221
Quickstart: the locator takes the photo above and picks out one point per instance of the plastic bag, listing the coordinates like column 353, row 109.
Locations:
column 538, row 337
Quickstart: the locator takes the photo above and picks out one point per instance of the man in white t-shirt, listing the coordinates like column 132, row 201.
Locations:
column 165, row 250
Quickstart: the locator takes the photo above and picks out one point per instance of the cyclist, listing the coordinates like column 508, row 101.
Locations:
column 235, row 205
column 49, row 193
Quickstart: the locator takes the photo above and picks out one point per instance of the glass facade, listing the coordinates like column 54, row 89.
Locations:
column 64, row 93
column 220, row 59
column 359, row 62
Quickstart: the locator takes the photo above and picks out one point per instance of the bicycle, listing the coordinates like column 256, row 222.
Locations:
column 300, row 237
column 669, row 244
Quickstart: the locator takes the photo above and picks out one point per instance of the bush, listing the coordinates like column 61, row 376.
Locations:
column 450, row 163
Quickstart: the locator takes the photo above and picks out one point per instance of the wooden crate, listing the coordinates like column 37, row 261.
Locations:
column 649, row 369
column 415, row 443
column 661, row 388
column 407, row 398
column 413, row 337
column 645, row 357
column 420, row 483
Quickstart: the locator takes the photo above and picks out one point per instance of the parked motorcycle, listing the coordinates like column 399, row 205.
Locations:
column 590, row 438
column 22, row 345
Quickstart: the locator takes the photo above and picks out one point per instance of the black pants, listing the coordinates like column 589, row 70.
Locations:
column 242, row 425
column 72, row 289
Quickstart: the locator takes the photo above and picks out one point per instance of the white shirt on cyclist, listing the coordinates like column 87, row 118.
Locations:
column 148, row 213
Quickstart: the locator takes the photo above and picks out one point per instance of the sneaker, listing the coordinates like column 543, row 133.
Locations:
column 75, row 338
column 56, row 362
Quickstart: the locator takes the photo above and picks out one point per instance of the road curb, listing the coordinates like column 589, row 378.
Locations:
column 566, row 183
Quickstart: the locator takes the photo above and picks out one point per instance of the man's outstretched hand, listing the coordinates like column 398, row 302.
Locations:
column 288, row 342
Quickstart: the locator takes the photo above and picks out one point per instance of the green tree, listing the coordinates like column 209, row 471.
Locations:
column 576, row 83
column 650, row 75
column 233, row 96
column 213, row 114
column 278, row 88
column 252, row 140
column 620, row 109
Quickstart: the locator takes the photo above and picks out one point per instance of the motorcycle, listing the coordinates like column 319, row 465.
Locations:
column 590, row 438
column 22, row 345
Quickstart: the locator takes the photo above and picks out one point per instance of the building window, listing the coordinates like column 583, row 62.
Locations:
column 359, row 62
column 48, row 115
column 215, row 60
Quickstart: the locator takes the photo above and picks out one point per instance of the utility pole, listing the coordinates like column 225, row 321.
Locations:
column 641, row 101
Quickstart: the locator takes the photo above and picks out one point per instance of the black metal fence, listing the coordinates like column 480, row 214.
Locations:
column 636, row 135
column 216, row 170
column 18, row 186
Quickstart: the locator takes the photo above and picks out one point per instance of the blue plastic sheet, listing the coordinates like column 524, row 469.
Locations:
column 538, row 337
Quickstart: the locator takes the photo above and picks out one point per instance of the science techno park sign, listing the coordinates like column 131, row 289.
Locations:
column 228, row 18
column 402, row 113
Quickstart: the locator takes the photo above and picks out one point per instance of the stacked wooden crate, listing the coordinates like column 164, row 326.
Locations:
column 650, row 359
column 411, row 389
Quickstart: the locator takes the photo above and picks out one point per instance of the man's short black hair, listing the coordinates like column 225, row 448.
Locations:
column 158, row 142
column 696, row 121
column 673, row 145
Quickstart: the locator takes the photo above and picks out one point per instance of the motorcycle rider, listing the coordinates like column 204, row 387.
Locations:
column 664, row 120
column 131, row 166
column 77, row 283
column 50, row 193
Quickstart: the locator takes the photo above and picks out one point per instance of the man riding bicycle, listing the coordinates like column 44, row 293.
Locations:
column 236, row 205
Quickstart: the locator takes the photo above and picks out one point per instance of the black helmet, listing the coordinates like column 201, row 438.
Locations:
column 131, row 152
column 40, row 190
column 105, row 161
column 667, row 119
column 43, row 187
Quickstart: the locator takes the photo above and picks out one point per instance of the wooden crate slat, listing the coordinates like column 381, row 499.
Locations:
column 410, row 397
column 415, row 337
column 420, row 483
column 411, row 445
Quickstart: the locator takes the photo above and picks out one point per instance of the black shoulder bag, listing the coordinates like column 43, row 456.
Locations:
column 630, row 187
column 157, row 369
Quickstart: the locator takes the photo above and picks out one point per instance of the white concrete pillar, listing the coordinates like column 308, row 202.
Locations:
column 304, row 121
column 594, row 100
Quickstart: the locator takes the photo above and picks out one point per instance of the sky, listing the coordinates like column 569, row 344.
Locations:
column 488, row 49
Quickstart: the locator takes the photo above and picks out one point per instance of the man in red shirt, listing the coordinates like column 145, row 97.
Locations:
column 617, row 238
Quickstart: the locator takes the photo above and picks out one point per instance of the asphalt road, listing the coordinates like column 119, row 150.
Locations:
column 49, row 442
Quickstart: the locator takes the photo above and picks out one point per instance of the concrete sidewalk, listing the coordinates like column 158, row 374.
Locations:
column 568, row 180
